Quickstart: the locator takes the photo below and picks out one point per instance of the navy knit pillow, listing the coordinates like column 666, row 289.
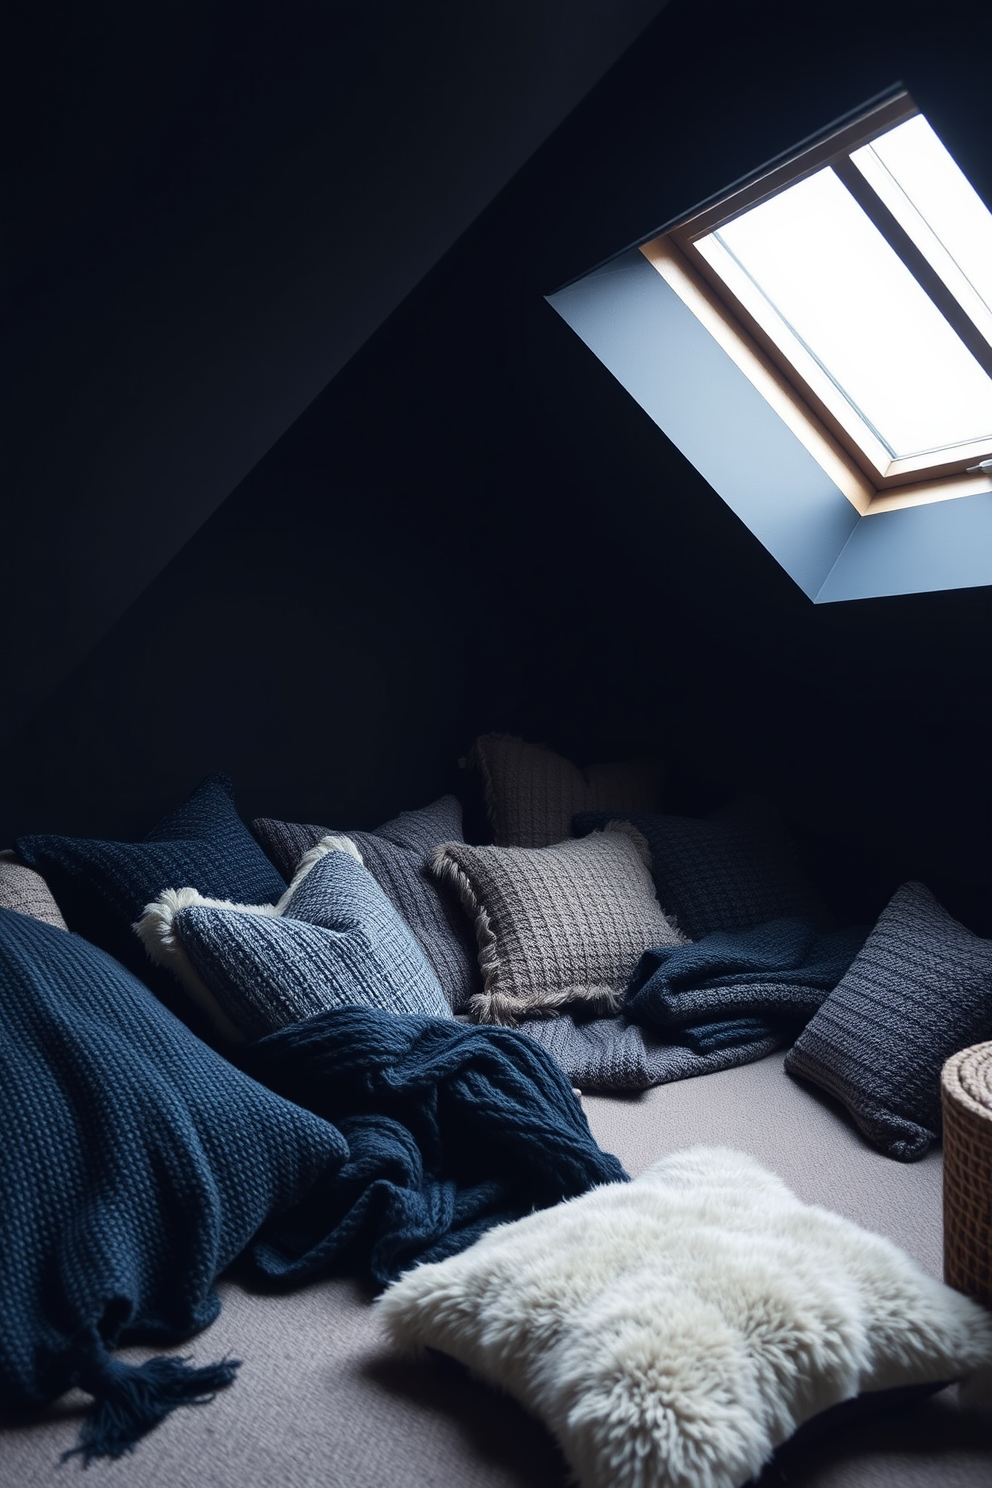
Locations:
column 334, row 940
column 918, row 991
column 397, row 855
column 135, row 1164
column 102, row 887
column 729, row 871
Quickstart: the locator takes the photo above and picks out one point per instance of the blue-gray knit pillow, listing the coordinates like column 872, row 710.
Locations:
column 729, row 871
column 334, row 940
column 101, row 887
column 397, row 855
column 919, row 990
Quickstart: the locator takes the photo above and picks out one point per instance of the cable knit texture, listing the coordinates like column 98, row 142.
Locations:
column 397, row 855
column 557, row 925
column 451, row 1129
column 532, row 793
column 919, row 990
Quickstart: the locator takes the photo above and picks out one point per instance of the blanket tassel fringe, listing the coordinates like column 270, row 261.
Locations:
column 129, row 1399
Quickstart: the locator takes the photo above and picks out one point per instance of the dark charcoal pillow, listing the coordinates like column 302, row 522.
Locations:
column 102, row 887
column 397, row 854
column 532, row 793
column 918, row 991
column 135, row 1164
column 729, row 871
column 334, row 940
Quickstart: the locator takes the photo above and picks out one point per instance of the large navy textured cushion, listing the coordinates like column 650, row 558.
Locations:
column 135, row 1164
column 397, row 855
column 334, row 940
column 919, row 990
column 101, row 887
column 729, row 871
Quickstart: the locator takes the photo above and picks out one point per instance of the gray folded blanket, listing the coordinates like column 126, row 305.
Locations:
column 725, row 1000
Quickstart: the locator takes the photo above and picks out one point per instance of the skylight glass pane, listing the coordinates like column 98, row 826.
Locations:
column 828, row 273
column 933, row 200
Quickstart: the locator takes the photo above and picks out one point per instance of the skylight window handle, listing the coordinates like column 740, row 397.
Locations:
column 984, row 467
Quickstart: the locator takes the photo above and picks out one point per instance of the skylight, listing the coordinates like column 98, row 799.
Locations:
column 862, row 272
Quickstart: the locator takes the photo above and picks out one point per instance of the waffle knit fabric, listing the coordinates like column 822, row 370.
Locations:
column 135, row 1164
column 396, row 854
column 532, row 793
column 23, row 889
column 557, row 925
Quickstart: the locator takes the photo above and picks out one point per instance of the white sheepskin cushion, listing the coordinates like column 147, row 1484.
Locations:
column 675, row 1330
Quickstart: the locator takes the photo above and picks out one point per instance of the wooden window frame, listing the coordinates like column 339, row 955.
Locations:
column 842, row 443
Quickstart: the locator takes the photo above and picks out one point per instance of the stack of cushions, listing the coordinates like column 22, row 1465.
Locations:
column 556, row 925
column 397, row 854
column 675, row 1330
column 136, row 1163
column 919, row 990
column 532, row 793
column 729, row 871
column 332, row 940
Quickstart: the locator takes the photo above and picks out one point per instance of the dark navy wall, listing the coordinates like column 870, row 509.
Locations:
column 474, row 527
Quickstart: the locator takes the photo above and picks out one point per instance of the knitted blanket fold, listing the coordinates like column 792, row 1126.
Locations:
column 731, row 986
column 451, row 1129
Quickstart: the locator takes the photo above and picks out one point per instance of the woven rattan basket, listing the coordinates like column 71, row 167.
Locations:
column 966, row 1094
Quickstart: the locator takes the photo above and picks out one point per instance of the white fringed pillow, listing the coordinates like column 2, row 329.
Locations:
column 672, row 1332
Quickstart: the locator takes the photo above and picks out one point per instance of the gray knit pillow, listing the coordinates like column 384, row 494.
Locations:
column 532, row 793
column 557, row 925
column 24, row 890
column 918, row 991
column 396, row 854
column 333, row 940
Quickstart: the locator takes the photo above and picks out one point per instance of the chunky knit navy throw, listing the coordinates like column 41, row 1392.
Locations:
column 451, row 1129
column 734, row 986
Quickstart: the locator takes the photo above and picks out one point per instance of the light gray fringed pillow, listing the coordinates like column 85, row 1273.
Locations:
column 24, row 890
column 532, row 793
column 675, row 1330
column 332, row 940
column 396, row 855
column 557, row 925
column 919, row 990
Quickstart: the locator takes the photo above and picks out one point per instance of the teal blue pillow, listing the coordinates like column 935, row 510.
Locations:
column 334, row 940
column 101, row 887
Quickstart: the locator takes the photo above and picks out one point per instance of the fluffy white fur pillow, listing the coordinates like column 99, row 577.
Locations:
column 675, row 1330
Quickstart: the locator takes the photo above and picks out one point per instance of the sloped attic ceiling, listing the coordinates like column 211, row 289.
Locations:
column 211, row 204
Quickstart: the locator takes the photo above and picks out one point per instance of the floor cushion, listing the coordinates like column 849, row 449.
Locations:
column 673, row 1331
column 919, row 990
